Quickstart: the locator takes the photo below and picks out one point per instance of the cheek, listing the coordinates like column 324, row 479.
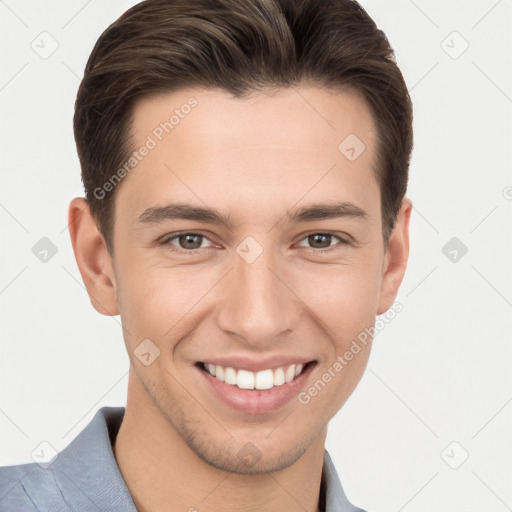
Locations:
column 156, row 301
column 345, row 297
column 345, row 301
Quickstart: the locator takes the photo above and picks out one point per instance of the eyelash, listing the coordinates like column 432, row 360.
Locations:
column 166, row 242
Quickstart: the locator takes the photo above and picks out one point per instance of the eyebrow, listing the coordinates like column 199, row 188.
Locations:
column 317, row 211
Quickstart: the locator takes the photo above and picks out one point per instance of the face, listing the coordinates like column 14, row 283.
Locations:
column 248, row 249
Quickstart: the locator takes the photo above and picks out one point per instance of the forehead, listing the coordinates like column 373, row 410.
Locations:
column 208, row 147
column 307, row 117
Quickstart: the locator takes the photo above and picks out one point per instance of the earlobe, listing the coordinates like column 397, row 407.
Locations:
column 395, row 261
column 92, row 257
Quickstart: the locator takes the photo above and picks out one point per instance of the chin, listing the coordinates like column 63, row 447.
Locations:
column 248, row 460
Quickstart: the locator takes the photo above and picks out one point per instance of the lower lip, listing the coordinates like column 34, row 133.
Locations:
column 256, row 401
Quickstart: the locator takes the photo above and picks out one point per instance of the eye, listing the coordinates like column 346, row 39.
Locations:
column 185, row 241
column 322, row 241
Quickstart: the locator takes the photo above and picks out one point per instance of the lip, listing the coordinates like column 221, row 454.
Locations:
column 255, row 401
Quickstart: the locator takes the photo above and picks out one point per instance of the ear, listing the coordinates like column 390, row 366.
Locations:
column 395, row 261
column 92, row 257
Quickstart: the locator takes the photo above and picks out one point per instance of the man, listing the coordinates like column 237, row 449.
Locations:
column 245, row 167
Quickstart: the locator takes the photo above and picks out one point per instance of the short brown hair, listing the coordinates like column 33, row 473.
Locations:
column 242, row 47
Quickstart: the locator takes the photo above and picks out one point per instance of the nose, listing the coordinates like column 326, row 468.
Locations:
column 259, row 305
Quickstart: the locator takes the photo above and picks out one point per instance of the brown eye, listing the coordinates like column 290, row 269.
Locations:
column 185, row 241
column 322, row 241
column 190, row 241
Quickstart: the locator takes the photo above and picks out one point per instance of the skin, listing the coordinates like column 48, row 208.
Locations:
column 254, row 159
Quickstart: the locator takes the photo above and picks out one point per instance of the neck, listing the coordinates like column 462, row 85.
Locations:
column 163, row 473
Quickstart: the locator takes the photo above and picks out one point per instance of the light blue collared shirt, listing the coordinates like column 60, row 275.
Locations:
column 85, row 477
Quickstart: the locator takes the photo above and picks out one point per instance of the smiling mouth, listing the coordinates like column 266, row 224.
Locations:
column 245, row 379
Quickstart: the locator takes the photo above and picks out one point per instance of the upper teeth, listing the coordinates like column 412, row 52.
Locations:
column 244, row 379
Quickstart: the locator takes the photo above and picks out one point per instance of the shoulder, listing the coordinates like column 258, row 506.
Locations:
column 18, row 483
column 83, row 476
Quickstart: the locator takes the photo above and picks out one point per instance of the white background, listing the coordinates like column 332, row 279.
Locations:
column 438, row 373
